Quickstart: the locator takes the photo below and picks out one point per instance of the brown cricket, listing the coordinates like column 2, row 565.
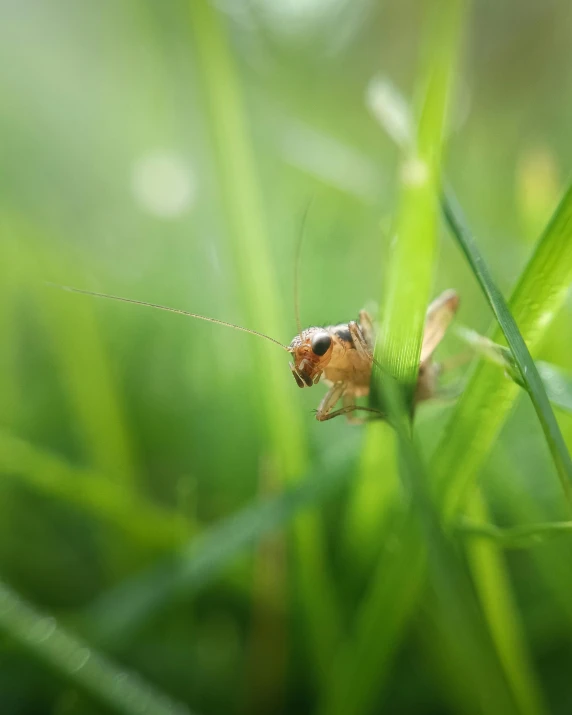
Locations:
column 341, row 356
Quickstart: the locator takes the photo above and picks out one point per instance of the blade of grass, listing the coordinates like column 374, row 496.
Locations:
column 120, row 612
column 243, row 208
column 78, row 663
column 553, row 258
column 372, row 499
column 523, row 536
column 410, row 268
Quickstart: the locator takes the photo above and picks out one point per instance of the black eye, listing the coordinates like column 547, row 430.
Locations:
column 321, row 343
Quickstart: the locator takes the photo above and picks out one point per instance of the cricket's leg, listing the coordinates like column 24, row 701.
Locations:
column 367, row 328
column 329, row 400
column 349, row 404
column 324, row 410
column 359, row 340
column 350, row 408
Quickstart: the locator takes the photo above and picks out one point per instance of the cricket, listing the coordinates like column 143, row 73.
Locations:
column 340, row 356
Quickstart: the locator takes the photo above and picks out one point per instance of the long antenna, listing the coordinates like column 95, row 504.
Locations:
column 169, row 310
column 297, row 257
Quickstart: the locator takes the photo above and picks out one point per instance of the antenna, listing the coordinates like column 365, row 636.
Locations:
column 169, row 310
column 297, row 257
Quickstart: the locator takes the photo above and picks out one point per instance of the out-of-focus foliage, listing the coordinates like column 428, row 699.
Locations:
column 182, row 525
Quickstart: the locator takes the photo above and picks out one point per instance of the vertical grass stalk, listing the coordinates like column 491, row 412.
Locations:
column 243, row 208
column 410, row 268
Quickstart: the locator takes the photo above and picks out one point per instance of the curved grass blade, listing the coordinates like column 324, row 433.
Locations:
column 548, row 274
column 523, row 536
column 77, row 662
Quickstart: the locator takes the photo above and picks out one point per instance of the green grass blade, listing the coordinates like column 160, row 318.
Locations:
column 549, row 276
column 372, row 499
column 78, row 663
column 242, row 202
column 410, row 270
column 117, row 614
column 523, row 536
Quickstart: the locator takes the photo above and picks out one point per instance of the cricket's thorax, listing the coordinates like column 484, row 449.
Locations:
column 347, row 364
column 329, row 354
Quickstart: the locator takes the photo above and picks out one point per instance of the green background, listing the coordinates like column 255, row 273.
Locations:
column 166, row 152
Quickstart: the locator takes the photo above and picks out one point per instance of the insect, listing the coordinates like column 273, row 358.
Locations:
column 341, row 356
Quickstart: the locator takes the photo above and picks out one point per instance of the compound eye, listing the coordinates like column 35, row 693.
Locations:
column 321, row 343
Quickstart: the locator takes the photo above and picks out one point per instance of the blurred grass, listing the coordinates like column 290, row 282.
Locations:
column 95, row 494
column 77, row 662
column 119, row 613
column 243, row 203
column 81, row 359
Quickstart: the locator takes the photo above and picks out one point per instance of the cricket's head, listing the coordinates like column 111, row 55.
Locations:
column 312, row 350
